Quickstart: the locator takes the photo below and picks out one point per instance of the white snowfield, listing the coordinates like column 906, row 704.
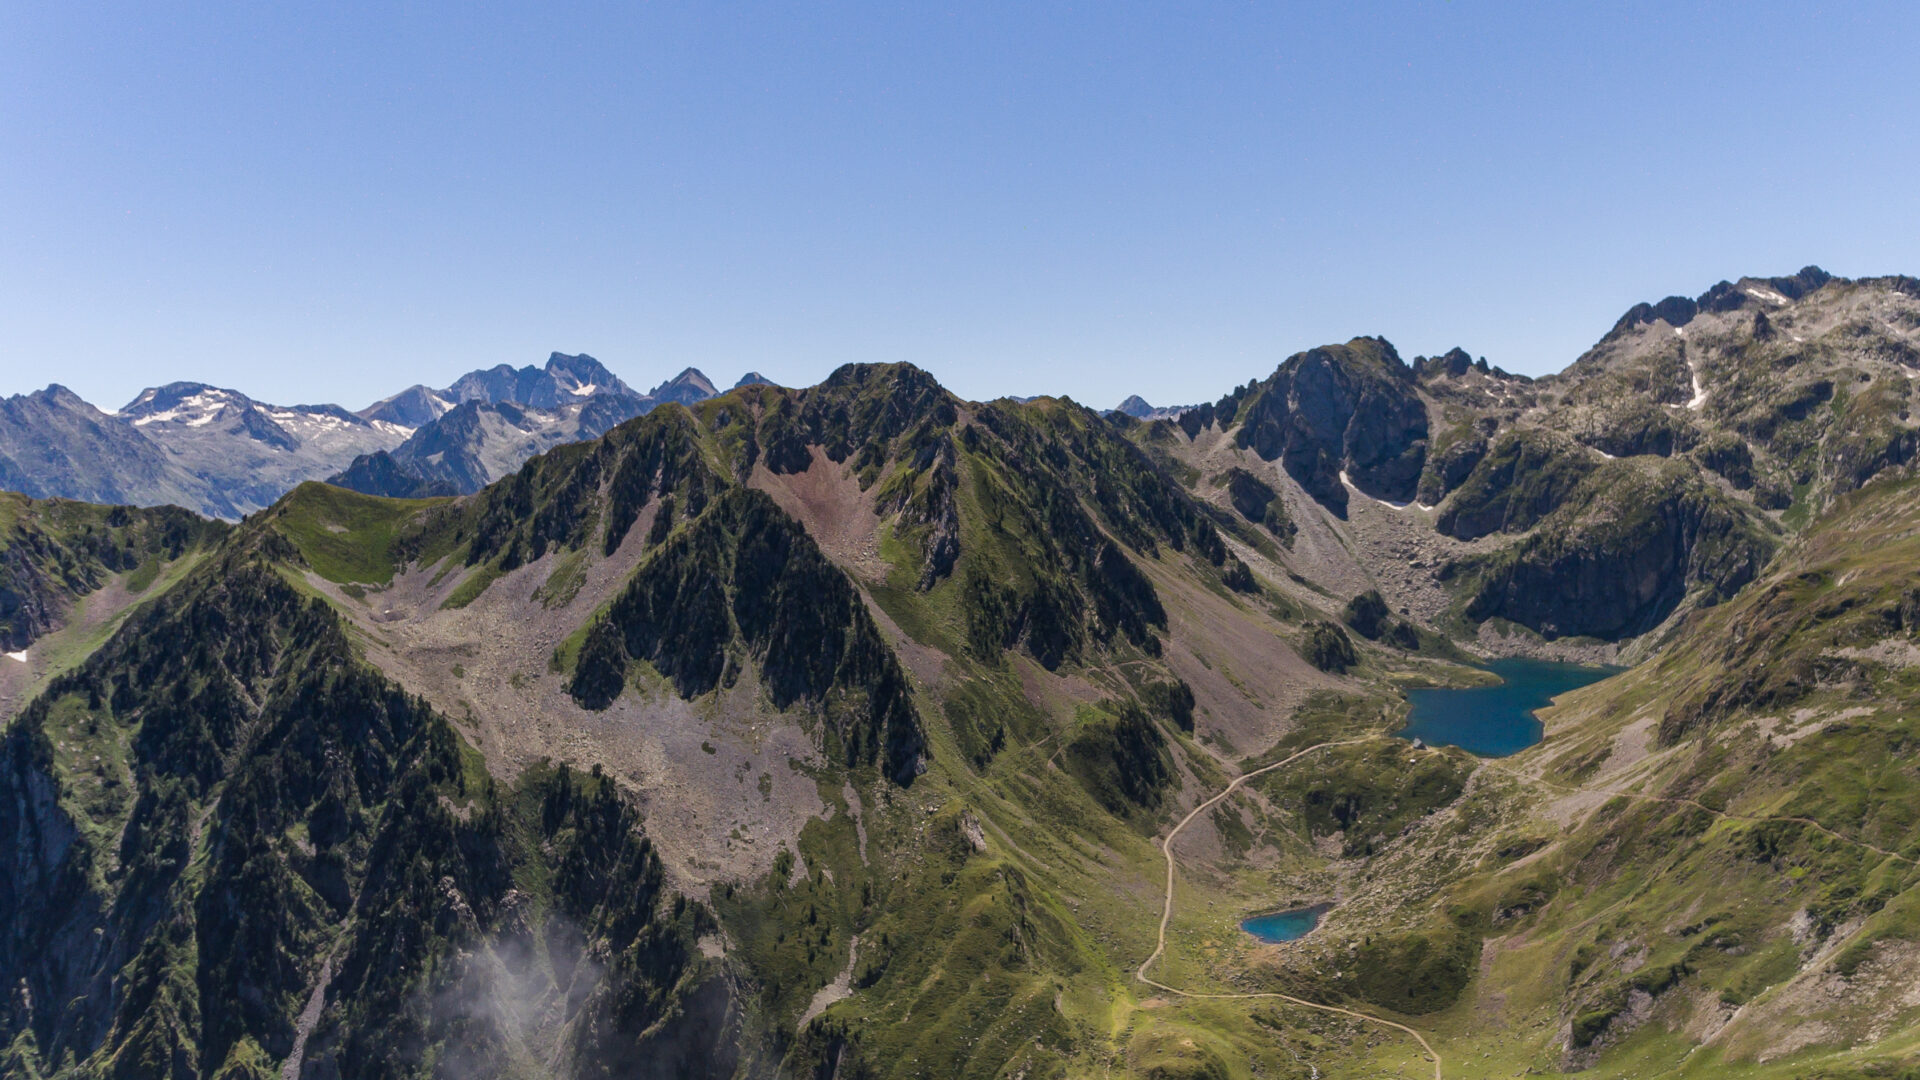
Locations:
column 20, row 656
column 197, row 411
column 1699, row 392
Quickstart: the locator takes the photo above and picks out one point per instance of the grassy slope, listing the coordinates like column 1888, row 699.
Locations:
column 258, row 802
column 1005, row 899
column 1002, row 905
column 347, row 537
column 1752, row 875
column 987, row 904
column 1824, row 635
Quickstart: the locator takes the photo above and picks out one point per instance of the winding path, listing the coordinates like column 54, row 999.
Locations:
column 1166, row 917
column 1166, row 850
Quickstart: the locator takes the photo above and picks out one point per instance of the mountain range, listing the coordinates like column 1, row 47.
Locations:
column 861, row 730
column 220, row 453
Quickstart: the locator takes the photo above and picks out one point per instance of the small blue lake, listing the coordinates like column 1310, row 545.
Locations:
column 1285, row 925
column 1494, row 721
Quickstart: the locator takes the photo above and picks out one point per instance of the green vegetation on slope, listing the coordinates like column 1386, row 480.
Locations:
column 345, row 536
column 223, row 808
column 52, row 552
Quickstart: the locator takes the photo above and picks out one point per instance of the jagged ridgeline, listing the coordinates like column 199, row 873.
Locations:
column 1029, row 493
column 1019, row 525
column 229, row 844
column 875, row 706
column 1613, row 508
column 235, row 842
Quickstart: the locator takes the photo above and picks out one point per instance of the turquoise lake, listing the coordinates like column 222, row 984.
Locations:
column 1285, row 925
column 1494, row 721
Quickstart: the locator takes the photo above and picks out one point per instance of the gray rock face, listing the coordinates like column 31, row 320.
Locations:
column 414, row 407
column 53, row 444
column 480, row 442
column 1137, row 407
column 248, row 452
column 221, row 453
column 565, row 380
column 1618, row 563
column 1351, row 409
column 688, row 388
column 378, row 474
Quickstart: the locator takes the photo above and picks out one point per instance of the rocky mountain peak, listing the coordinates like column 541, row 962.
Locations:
column 583, row 376
column 899, row 375
column 1135, row 406
column 687, row 388
column 1678, row 311
column 190, row 403
column 58, row 395
column 413, row 407
column 1454, row 362
column 564, row 380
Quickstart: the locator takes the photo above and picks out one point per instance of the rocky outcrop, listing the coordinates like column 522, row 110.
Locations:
column 744, row 583
column 1637, row 427
column 1619, row 558
column 1526, row 476
column 1258, row 503
column 414, row 407
column 53, row 444
column 379, row 474
column 1451, row 458
column 565, row 380
column 1348, row 409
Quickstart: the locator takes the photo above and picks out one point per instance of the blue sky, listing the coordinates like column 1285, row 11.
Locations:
column 331, row 201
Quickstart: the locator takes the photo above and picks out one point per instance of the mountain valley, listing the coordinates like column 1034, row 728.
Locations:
column 539, row 727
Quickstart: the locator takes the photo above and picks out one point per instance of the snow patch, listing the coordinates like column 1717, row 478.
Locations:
column 1699, row 392
column 586, row 389
column 20, row 656
column 199, row 410
column 1608, row 456
column 1768, row 295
